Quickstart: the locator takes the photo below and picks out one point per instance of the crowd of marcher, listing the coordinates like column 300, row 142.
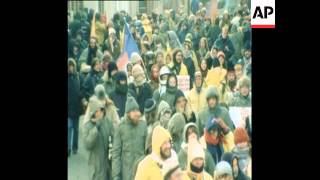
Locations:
column 136, row 123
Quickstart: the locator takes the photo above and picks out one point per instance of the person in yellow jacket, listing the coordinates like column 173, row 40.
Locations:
column 179, row 68
column 147, row 26
column 168, row 57
column 195, row 167
column 216, row 75
column 150, row 167
column 197, row 96
column 100, row 29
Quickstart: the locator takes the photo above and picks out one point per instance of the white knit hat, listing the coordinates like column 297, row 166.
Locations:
column 111, row 30
column 135, row 57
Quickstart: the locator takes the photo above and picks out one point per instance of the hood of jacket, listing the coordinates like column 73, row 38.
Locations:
column 172, row 89
column 119, row 87
column 184, row 133
column 213, row 92
column 71, row 61
column 229, row 157
column 159, row 136
column 162, row 107
column 176, row 124
column 177, row 96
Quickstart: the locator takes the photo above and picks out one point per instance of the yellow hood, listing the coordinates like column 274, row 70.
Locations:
column 159, row 136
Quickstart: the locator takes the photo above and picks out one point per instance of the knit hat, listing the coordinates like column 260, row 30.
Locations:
column 223, row 167
column 187, row 40
column 189, row 36
column 94, row 105
column 149, row 105
column 163, row 107
column 100, row 92
column 131, row 104
column 176, row 124
column 135, row 57
column 203, row 10
column 195, row 150
column 198, row 74
column 111, row 30
column 244, row 81
column 240, row 135
column 212, row 92
column 220, row 53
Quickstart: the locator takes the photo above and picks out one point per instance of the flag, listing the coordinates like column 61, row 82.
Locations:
column 130, row 46
column 93, row 26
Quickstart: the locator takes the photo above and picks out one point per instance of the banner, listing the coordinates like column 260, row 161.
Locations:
column 239, row 114
column 184, row 83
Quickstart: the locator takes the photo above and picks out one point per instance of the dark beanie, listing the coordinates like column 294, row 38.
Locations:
column 120, row 75
column 149, row 105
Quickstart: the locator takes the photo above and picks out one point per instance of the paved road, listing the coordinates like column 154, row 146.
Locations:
column 78, row 164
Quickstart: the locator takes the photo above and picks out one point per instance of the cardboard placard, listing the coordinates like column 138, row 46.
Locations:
column 184, row 83
column 237, row 114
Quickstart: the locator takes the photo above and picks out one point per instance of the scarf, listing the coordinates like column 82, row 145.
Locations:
column 211, row 140
column 171, row 90
column 195, row 176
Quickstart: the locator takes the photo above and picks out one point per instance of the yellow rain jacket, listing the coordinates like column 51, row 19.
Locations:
column 150, row 167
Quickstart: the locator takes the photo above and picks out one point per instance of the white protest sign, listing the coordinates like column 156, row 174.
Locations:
column 237, row 114
column 184, row 83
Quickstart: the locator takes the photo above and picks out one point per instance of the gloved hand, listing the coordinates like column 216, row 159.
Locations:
column 224, row 127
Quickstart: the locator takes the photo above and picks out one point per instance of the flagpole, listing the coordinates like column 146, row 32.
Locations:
column 145, row 69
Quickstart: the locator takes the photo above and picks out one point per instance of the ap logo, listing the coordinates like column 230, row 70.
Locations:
column 263, row 13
